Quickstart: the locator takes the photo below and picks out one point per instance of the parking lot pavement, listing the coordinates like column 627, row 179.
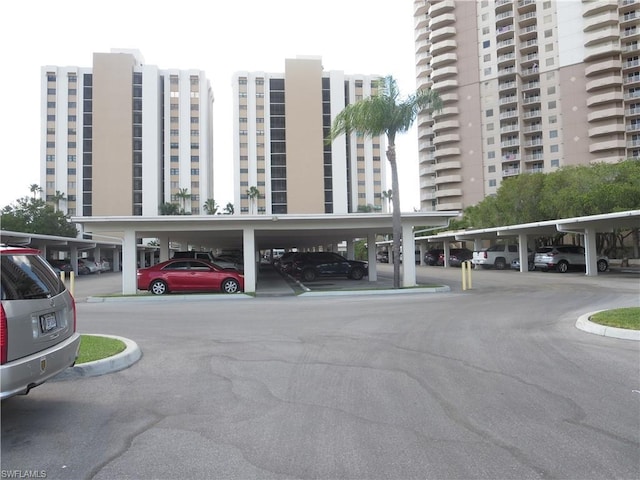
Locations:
column 271, row 283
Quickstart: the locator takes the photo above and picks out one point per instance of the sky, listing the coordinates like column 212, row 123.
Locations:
column 354, row 36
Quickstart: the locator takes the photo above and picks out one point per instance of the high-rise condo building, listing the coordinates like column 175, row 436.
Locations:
column 124, row 138
column 527, row 86
column 280, row 155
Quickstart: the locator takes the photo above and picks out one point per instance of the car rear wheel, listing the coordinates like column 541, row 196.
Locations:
column 308, row 275
column 500, row 264
column 230, row 286
column 603, row 265
column 357, row 273
column 158, row 287
column 562, row 266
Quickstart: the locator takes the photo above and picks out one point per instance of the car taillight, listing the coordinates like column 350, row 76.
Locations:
column 484, row 254
column 73, row 306
column 3, row 336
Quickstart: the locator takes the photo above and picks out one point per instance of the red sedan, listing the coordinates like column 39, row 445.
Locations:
column 189, row 275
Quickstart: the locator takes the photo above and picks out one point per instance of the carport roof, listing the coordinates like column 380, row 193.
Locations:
column 601, row 223
column 271, row 231
column 61, row 243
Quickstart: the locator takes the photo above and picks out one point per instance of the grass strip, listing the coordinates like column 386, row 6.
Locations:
column 619, row 318
column 94, row 347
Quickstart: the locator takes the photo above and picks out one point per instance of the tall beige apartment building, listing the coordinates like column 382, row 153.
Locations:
column 124, row 137
column 527, row 86
column 280, row 123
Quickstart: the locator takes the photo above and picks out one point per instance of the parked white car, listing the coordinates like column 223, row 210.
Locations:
column 562, row 258
column 87, row 266
column 497, row 256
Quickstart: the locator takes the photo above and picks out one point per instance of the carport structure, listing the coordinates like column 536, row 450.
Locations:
column 260, row 232
column 51, row 244
column 586, row 226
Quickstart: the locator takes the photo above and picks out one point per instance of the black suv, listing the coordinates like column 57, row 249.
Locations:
column 310, row 265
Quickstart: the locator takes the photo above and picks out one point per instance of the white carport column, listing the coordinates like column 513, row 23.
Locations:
column 249, row 247
column 164, row 247
column 129, row 247
column 408, row 257
column 446, row 252
column 591, row 253
column 372, row 257
column 351, row 249
column 523, row 252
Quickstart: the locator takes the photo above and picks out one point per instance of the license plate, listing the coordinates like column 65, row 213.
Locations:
column 48, row 322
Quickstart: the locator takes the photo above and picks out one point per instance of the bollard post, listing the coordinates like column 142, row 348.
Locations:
column 466, row 275
column 72, row 282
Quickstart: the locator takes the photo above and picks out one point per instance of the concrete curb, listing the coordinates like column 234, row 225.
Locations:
column 585, row 325
column 130, row 355
column 166, row 298
column 398, row 291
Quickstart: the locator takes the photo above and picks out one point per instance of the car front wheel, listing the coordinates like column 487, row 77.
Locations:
column 158, row 287
column 309, row 275
column 357, row 273
column 230, row 286
column 602, row 265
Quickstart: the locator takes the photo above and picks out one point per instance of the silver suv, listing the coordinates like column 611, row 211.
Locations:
column 563, row 257
column 38, row 337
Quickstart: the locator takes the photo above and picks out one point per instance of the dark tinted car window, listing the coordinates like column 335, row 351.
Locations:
column 184, row 265
column 544, row 250
column 28, row 276
column 513, row 248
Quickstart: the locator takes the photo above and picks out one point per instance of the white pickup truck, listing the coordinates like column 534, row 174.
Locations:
column 497, row 256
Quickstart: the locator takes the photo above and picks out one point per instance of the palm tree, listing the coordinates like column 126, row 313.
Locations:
column 57, row 198
column 386, row 113
column 35, row 188
column 254, row 194
column 387, row 195
column 210, row 206
column 169, row 209
column 183, row 194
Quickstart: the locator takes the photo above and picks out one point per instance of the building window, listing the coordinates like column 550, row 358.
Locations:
column 489, row 113
column 175, row 158
column 242, row 81
column 492, row 183
column 486, row 44
column 174, row 171
column 51, row 158
column 71, row 158
column 554, row 148
column 552, row 105
column 492, row 169
column 553, row 134
column 195, row 171
column 555, row 163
